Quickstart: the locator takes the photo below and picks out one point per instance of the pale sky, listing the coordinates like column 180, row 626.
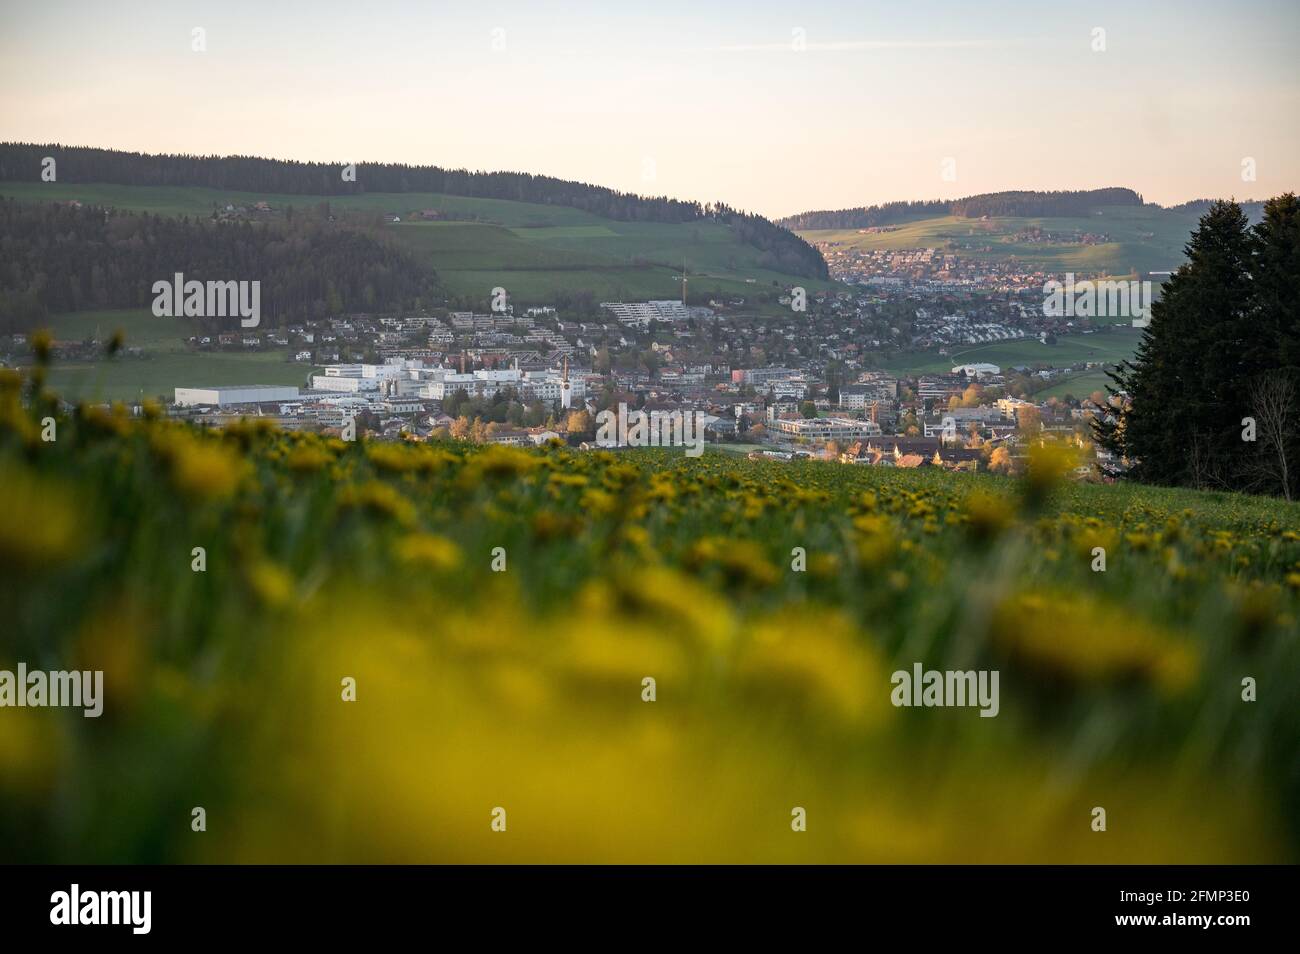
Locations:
column 700, row 100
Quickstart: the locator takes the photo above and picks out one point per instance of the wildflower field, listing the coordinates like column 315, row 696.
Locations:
column 498, row 612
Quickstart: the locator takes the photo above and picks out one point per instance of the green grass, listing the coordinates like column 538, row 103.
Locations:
column 1078, row 386
column 142, row 329
column 519, row 684
column 1105, row 346
column 166, row 363
column 531, row 250
column 157, row 374
column 1146, row 239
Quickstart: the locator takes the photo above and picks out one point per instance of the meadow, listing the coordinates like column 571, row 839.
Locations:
column 164, row 361
column 497, row 614
column 1079, row 386
column 1108, row 347
column 532, row 250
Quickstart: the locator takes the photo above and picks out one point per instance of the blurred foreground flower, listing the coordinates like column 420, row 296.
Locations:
column 44, row 524
column 1085, row 641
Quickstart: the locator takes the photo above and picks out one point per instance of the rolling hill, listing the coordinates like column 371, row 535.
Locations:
column 1041, row 230
column 532, row 250
column 533, row 235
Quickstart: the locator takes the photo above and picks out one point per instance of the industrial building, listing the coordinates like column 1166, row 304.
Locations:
column 241, row 394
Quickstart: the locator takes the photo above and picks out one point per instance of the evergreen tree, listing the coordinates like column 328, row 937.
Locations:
column 1225, row 325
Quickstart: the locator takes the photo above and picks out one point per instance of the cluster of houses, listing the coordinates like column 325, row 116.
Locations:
column 929, row 270
column 786, row 382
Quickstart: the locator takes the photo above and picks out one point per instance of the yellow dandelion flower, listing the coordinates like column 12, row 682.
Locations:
column 987, row 516
column 392, row 458
column 1086, row 641
column 270, row 583
column 43, row 524
column 818, row 660
column 380, row 499
column 308, row 458
column 428, row 549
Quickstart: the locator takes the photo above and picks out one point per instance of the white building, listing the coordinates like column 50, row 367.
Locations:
column 1010, row 407
column 333, row 382
column 243, row 394
column 641, row 313
column 977, row 370
column 828, row 428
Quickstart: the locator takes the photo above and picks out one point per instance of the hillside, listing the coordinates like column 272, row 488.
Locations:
column 1007, row 204
column 545, row 233
column 1106, row 231
column 532, row 250
column 1111, row 240
column 500, row 611
column 61, row 257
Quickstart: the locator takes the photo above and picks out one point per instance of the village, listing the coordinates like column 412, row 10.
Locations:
column 786, row 388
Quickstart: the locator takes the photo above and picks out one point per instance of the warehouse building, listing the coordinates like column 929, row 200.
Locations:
column 242, row 394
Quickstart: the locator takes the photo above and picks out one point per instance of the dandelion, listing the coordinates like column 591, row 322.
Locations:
column 392, row 458
column 30, row 752
column 201, row 469
column 430, row 550
column 1088, row 641
column 742, row 561
column 44, row 524
column 308, row 459
column 42, row 345
column 1047, row 466
column 987, row 517
column 598, row 501
column 378, row 499
column 270, row 583
column 817, row 660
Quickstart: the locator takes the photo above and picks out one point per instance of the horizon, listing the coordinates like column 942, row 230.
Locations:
column 1240, row 200
column 717, row 105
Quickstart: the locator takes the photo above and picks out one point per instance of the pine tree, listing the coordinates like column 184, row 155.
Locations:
column 1272, row 357
column 1181, row 391
column 1277, row 288
column 1223, row 346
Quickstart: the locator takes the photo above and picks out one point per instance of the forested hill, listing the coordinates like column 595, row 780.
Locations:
column 1030, row 204
column 22, row 162
column 1252, row 208
column 58, row 258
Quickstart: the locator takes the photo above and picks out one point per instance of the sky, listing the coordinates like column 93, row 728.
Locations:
column 775, row 108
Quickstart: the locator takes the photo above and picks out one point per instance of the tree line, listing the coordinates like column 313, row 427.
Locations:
column 1034, row 204
column 1211, row 399
column 66, row 257
column 80, row 164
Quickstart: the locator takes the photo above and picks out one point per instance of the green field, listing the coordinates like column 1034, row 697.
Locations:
column 139, row 326
column 1110, row 347
column 165, row 364
column 158, row 374
column 531, row 250
column 332, row 567
column 1079, row 386
column 1145, row 238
